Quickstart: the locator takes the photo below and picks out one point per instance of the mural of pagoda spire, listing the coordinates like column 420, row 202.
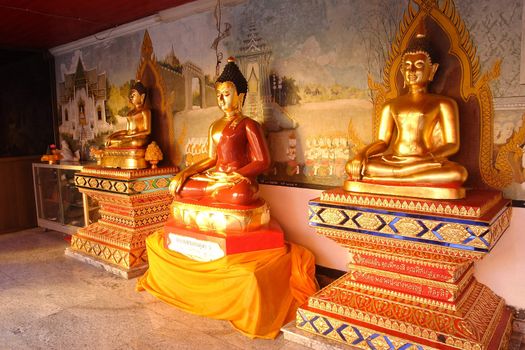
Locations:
column 253, row 42
column 172, row 61
column 254, row 61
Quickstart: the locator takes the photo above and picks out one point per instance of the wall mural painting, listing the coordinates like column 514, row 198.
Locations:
column 307, row 64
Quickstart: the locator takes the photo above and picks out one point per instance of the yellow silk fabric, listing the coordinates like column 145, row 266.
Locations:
column 258, row 292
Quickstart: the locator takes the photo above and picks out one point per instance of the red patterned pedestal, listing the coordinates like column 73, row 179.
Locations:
column 133, row 204
column 410, row 283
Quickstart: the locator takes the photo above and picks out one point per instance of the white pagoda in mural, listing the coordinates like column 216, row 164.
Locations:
column 82, row 100
column 254, row 62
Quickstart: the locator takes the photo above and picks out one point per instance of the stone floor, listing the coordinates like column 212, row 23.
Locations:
column 50, row 301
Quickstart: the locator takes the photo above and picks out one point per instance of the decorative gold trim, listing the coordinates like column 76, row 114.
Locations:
column 454, row 268
column 123, row 186
column 126, row 174
column 123, row 258
column 474, row 234
column 453, row 288
column 409, row 298
column 115, row 235
column 466, row 208
column 348, row 239
column 136, row 200
column 136, row 222
column 327, row 327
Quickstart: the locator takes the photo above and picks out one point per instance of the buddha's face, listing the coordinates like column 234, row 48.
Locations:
column 417, row 68
column 227, row 97
column 136, row 98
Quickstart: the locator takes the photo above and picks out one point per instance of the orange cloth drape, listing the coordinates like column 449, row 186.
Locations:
column 258, row 292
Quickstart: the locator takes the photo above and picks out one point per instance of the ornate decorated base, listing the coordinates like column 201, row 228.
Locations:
column 373, row 320
column 109, row 267
column 210, row 245
column 474, row 205
column 133, row 204
column 124, row 158
column 408, row 190
column 410, row 281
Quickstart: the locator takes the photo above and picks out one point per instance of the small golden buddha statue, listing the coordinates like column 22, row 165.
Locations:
column 237, row 150
column 126, row 149
column 138, row 126
column 406, row 151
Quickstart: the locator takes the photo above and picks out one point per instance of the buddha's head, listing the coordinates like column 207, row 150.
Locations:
column 417, row 67
column 137, row 94
column 231, row 88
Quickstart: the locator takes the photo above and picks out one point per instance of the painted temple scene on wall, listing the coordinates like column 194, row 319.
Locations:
column 309, row 74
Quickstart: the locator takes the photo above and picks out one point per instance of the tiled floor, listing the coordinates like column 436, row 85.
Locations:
column 50, row 301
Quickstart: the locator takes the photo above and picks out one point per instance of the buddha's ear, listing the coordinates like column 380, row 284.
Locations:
column 242, row 95
column 433, row 71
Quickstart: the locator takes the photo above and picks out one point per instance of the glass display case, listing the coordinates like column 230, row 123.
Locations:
column 59, row 204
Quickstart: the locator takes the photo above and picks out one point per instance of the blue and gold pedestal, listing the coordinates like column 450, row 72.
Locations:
column 410, row 283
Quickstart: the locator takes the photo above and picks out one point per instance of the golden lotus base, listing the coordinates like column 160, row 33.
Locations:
column 405, row 191
column 124, row 158
column 205, row 216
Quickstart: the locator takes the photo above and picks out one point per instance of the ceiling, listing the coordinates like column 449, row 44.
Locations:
column 44, row 24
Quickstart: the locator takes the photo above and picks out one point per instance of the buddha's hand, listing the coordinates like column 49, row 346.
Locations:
column 354, row 167
column 226, row 179
column 176, row 183
column 235, row 178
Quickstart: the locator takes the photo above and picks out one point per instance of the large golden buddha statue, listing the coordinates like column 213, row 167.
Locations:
column 417, row 133
column 138, row 123
column 237, row 151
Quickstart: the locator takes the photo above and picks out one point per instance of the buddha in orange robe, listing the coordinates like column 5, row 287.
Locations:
column 237, row 150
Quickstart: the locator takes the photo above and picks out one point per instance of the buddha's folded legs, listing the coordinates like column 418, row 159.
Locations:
column 427, row 172
column 128, row 142
column 241, row 193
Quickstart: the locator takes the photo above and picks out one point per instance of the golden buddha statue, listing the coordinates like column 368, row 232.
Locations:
column 126, row 149
column 237, row 151
column 138, row 126
column 407, row 151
